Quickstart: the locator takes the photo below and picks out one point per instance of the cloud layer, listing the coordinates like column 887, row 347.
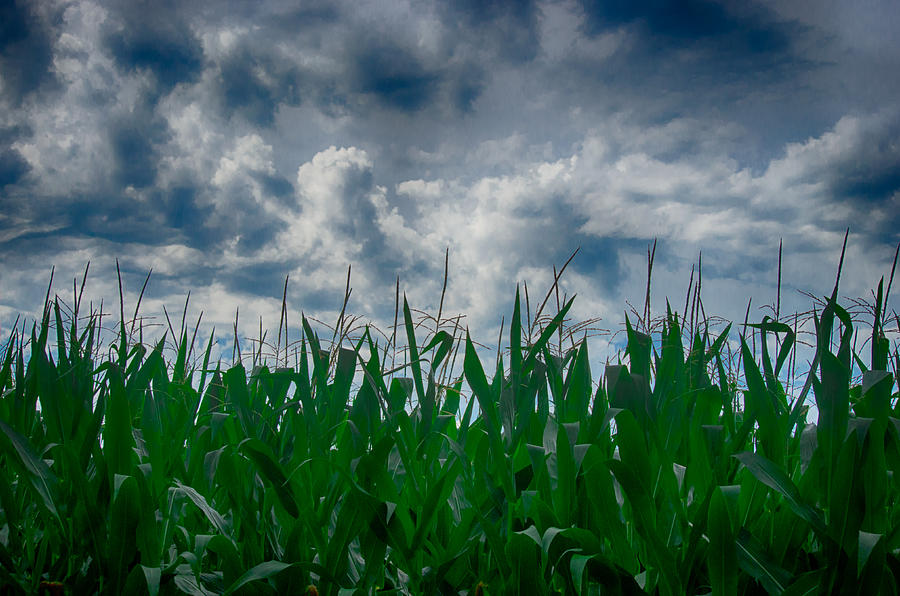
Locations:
column 226, row 146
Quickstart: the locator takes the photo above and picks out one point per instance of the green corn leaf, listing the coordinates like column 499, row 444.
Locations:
column 320, row 365
column 638, row 350
column 480, row 388
column 38, row 382
column 179, row 372
column 123, row 523
column 413, row 351
column 436, row 495
column 602, row 500
column 722, row 560
column 186, row 581
column 762, row 405
column 366, row 409
column 257, row 573
column 136, row 582
column 427, row 409
column 578, row 386
column 832, row 401
column 770, row 325
column 261, row 455
column 546, row 334
column 351, row 517
column 13, row 511
column 344, row 372
column 774, row 477
column 564, row 496
column 444, row 342
column 237, row 396
column 644, row 512
column 589, row 570
column 867, row 543
column 525, row 562
column 847, row 502
column 152, row 577
column 39, row 475
column 754, row 560
column 807, row 584
column 633, row 449
column 62, row 356
column 716, row 348
column 872, row 563
column 204, row 369
column 214, row 517
column 515, row 342
column 627, row 392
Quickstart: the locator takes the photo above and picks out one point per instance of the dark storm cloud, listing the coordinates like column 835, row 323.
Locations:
column 185, row 214
column 358, row 211
column 599, row 258
column 670, row 22
column 253, row 85
column 321, row 300
column 873, row 183
column 116, row 218
column 26, row 53
column 260, row 279
column 863, row 174
column 395, row 77
column 182, row 211
column 155, row 37
column 239, row 221
column 277, row 186
column 556, row 223
column 732, row 63
column 13, row 167
column 467, row 88
column 699, row 57
column 135, row 141
column 855, row 165
column 172, row 54
column 182, row 215
column 45, row 228
column 9, row 134
column 256, row 233
column 302, row 19
column 870, row 172
column 402, row 79
column 135, row 158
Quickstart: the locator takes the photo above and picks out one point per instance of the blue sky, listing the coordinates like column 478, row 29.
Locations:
column 228, row 144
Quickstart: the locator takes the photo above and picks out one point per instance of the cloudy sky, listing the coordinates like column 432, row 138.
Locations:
column 226, row 145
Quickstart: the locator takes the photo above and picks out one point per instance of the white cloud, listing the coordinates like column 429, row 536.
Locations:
column 324, row 183
column 696, row 202
column 67, row 149
column 338, row 209
column 249, row 154
column 550, row 153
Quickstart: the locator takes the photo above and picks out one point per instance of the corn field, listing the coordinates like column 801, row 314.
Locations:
column 125, row 472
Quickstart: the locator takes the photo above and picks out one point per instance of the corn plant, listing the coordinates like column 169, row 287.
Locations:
column 134, row 473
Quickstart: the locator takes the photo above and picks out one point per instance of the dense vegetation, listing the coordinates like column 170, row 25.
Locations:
column 128, row 473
